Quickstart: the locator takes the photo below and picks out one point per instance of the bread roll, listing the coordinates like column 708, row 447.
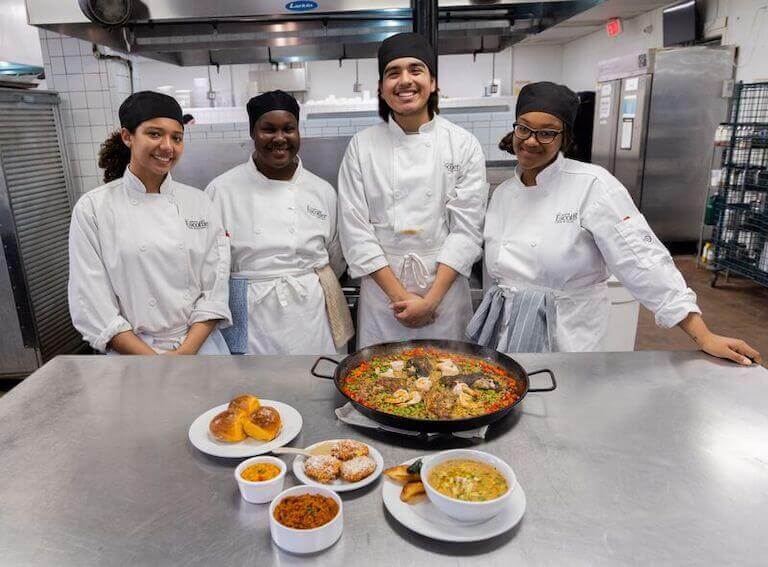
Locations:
column 245, row 403
column 262, row 424
column 228, row 426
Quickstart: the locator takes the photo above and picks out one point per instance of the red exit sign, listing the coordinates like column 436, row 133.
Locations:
column 614, row 27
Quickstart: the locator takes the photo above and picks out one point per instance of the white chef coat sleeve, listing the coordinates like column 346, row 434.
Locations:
column 93, row 304
column 213, row 302
column 466, row 206
column 335, row 255
column 359, row 244
column 635, row 255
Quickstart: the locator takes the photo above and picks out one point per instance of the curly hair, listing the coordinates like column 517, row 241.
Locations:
column 506, row 142
column 114, row 157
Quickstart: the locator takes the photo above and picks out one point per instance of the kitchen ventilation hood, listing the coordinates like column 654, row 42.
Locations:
column 259, row 31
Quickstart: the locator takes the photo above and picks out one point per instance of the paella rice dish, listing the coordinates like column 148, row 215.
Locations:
column 430, row 384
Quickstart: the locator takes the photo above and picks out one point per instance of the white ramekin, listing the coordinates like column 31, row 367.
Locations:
column 264, row 491
column 306, row 541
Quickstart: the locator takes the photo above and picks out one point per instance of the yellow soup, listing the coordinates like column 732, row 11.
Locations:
column 468, row 480
column 260, row 472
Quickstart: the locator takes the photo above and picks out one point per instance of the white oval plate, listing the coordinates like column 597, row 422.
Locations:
column 200, row 436
column 339, row 485
column 424, row 518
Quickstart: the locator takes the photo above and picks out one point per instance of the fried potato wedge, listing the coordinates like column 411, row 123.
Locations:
column 401, row 475
column 411, row 491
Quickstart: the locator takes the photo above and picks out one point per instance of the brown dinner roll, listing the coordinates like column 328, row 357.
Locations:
column 227, row 426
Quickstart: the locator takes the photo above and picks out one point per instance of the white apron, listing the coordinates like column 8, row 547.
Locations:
column 214, row 344
column 581, row 317
column 282, row 309
column 416, row 271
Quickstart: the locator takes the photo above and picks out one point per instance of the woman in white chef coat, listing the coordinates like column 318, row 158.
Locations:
column 553, row 235
column 282, row 222
column 412, row 196
column 148, row 257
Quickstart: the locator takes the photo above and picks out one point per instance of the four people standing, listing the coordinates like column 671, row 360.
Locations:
column 150, row 261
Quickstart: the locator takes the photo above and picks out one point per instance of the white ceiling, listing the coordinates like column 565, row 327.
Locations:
column 593, row 20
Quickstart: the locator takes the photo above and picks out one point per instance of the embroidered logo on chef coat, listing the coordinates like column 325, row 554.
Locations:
column 566, row 217
column 196, row 224
column 315, row 212
column 452, row 167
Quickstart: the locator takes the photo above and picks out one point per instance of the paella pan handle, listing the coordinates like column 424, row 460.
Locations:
column 313, row 370
column 551, row 377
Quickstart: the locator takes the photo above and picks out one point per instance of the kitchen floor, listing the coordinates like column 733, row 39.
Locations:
column 736, row 308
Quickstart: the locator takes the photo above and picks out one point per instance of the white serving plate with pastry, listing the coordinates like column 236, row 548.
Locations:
column 201, row 438
column 338, row 485
column 424, row 518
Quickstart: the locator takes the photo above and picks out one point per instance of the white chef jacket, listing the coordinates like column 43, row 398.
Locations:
column 411, row 202
column 567, row 234
column 151, row 263
column 280, row 232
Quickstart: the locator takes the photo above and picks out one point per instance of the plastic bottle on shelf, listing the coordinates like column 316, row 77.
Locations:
column 710, row 258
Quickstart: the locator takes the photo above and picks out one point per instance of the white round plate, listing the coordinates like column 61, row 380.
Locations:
column 424, row 518
column 338, row 485
column 200, row 436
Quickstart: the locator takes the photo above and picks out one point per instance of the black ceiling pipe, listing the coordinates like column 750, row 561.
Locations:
column 425, row 20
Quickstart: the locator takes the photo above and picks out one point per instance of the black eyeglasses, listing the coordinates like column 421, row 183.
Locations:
column 522, row 132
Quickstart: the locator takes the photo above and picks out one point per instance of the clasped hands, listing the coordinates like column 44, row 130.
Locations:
column 415, row 311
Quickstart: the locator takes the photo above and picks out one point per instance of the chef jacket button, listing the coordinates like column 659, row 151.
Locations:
column 533, row 244
column 186, row 296
column 142, row 248
column 429, row 193
column 291, row 230
column 179, row 245
column 152, row 302
column 397, row 194
column 257, row 231
column 291, row 208
column 428, row 144
column 134, row 202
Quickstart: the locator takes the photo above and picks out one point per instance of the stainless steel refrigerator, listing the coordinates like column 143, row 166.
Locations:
column 655, row 120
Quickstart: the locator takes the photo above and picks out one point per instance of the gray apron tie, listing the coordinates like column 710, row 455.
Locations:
column 236, row 336
column 530, row 324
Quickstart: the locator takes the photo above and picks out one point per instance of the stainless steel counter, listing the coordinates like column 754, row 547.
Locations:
column 646, row 458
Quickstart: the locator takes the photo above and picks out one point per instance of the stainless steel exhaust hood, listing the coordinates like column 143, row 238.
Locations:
column 275, row 31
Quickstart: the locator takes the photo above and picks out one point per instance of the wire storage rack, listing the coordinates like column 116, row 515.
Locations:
column 740, row 237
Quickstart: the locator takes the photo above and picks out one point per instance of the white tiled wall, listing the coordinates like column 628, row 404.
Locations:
column 91, row 92
column 488, row 127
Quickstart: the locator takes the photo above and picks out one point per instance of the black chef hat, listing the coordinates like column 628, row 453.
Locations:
column 267, row 102
column 146, row 105
column 406, row 45
column 554, row 99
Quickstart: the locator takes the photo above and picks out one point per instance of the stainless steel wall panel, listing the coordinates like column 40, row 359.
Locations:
column 205, row 160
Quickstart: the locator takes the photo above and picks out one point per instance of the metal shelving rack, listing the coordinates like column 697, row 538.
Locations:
column 740, row 237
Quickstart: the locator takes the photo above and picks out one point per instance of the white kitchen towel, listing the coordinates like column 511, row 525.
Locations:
column 348, row 414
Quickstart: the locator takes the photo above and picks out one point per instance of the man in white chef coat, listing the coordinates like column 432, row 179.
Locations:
column 412, row 196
